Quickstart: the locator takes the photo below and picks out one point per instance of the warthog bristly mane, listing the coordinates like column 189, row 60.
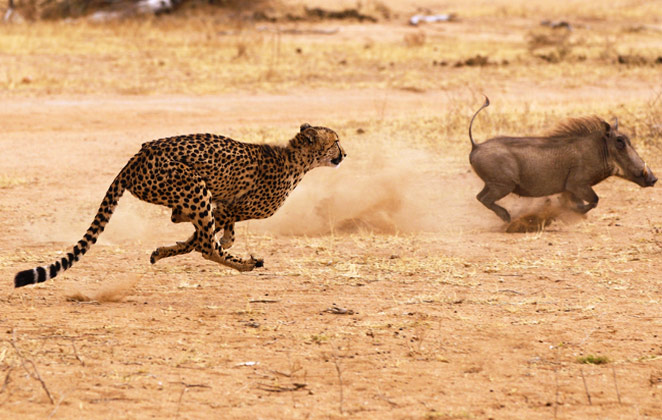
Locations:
column 578, row 127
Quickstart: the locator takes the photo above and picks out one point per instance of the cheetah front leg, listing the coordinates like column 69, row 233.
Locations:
column 228, row 236
column 219, row 254
column 239, row 264
column 225, row 223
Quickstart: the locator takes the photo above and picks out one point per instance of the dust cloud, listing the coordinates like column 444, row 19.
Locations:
column 535, row 214
column 381, row 188
column 113, row 291
column 400, row 189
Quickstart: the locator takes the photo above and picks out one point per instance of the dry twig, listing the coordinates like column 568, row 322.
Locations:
column 56, row 406
column 278, row 388
column 7, row 379
column 35, row 374
column 339, row 372
column 618, row 394
column 556, row 384
column 385, row 398
column 179, row 402
column 186, row 388
column 588, row 395
column 287, row 375
column 73, row 344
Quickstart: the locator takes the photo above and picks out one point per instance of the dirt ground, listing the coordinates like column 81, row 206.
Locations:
column 388, row 291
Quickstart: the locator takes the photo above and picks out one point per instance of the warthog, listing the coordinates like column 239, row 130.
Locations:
column 573, row 157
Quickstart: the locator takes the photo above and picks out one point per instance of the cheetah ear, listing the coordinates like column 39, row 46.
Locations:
column 308, row 136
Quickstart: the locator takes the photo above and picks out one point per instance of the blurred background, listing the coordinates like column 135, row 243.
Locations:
column 394, row 235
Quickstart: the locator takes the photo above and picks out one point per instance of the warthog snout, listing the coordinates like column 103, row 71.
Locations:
column 648, row 176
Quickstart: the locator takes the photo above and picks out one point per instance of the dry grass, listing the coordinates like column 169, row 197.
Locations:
column 208, row 53
column 446, row 316
column 7, row 181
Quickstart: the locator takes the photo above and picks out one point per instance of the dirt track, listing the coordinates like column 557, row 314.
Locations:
column 450, row 319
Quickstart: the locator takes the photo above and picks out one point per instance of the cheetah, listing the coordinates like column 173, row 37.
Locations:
column 212, row 182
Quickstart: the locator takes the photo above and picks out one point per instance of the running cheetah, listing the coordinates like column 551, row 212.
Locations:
column 211, row 181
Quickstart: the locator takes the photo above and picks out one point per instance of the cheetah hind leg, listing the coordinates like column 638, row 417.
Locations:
column 224, row 223
column 167, row 173
column 179, row 248
column 221, row 256
column 188, row 246
column 178, row 217
column 205, row 239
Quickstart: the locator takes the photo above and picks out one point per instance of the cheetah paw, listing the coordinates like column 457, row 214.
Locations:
column 253, row 263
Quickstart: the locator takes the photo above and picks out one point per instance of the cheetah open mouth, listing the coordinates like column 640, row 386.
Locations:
column 336, row 161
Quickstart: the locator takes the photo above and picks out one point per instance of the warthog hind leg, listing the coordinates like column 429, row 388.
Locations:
column 492, row 193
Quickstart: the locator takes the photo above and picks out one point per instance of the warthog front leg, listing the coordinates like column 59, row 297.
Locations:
column 492, row 193
column 580, row 195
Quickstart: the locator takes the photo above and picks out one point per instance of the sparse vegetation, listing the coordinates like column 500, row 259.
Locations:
column 388, row 290
column 593, row 360
column 11, row 181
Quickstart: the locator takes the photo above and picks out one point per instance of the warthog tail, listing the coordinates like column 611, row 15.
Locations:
column 485, row 105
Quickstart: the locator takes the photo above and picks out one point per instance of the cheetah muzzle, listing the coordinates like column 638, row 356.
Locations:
column 212, row 182
column 341, row 155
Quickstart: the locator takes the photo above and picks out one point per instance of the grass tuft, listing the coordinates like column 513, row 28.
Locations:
column 593, row 360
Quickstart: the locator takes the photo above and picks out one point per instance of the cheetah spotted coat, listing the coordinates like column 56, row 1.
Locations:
column 212, row 182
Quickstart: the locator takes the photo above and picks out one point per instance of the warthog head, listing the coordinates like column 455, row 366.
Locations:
column 627, row 162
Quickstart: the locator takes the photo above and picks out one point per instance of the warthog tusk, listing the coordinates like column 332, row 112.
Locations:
column 645, row 171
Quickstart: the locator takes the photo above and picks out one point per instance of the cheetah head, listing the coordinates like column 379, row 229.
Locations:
column 321, row 144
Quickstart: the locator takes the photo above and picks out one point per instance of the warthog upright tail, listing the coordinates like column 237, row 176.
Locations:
column 485, row 105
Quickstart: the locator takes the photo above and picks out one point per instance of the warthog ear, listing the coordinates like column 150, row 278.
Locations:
column 607, row 127
column 303, row 127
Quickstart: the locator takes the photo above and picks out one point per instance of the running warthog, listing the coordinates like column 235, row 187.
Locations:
column 574, row 156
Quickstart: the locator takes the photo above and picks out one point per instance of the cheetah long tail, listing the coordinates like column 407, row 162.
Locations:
column 106, row 209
